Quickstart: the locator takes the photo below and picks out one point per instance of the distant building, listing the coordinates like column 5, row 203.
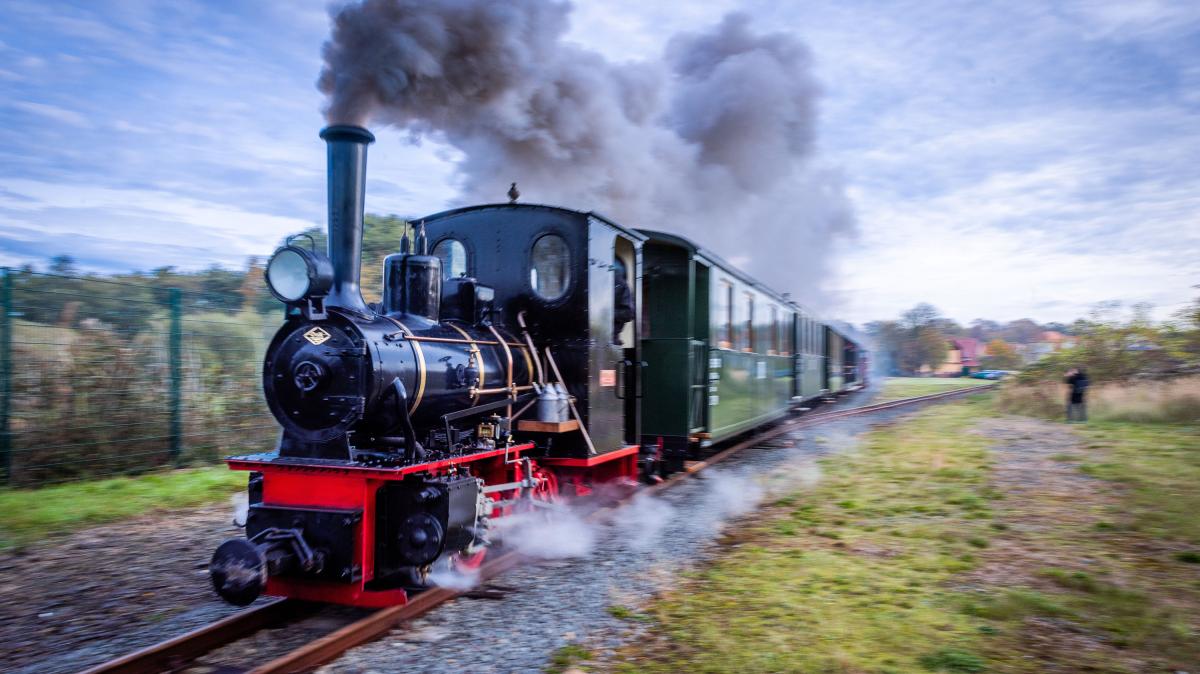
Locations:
column 962, row 357
column 1058, row 340
column 1050, row 341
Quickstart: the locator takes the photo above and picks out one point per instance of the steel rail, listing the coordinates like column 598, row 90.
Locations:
column 174, row 653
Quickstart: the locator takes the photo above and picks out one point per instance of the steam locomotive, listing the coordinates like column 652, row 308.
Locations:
column 521, row 354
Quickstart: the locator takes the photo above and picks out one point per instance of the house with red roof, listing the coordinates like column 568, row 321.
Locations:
column 963, row 356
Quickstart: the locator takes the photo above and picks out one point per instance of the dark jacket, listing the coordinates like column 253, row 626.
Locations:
column 1078, row 383
column 623, row 310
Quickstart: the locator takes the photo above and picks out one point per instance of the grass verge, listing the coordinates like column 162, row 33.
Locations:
column 895, row 388
column 1157, row 467
column 850, row 576
column 33, row 514
column 927, row 552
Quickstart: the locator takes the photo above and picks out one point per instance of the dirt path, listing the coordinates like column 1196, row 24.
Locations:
column 1051, row 511
column 1036, row 469
column 75, row 601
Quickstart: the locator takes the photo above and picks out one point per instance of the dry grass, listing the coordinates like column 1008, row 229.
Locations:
column 1172, row 401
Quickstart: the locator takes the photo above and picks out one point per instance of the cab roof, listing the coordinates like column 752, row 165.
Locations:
column 631, row 233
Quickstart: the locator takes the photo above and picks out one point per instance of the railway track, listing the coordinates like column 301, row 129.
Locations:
column 174, row 655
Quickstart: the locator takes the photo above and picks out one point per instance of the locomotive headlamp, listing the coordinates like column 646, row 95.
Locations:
column 295, row 273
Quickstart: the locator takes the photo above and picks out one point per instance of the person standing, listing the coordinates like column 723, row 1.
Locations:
column 1077, row 380
column 623, row 309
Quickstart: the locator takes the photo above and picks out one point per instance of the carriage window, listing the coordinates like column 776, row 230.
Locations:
column 773, row 345
column 453, row 256
column 781, row 334
column 725, row 340
column 550, row 273
column 748, row 338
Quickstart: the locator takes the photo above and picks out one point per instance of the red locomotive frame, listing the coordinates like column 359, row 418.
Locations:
column 354, row 487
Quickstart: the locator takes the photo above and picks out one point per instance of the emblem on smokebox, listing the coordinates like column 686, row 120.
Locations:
column 317, row 336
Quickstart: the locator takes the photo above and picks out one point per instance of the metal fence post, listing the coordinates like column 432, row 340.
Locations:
column 175, row 356
column 6, row 342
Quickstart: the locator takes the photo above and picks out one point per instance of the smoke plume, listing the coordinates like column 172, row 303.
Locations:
column 714, row 140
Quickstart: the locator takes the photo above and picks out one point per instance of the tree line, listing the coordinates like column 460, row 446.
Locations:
column 1110, row 342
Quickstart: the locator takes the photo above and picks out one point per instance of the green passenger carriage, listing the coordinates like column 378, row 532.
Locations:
column 722, row 353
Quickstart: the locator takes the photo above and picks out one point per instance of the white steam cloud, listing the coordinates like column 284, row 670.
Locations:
column 641, row 522
column 550, row 534
column 713, row 141
column 454, row 579
column 799, row 474
column 730, row 495
column 241, row 508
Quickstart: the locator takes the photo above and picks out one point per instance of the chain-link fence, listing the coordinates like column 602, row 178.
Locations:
column 100, row 377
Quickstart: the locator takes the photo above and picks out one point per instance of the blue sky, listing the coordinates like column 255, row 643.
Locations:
column 1004, row 159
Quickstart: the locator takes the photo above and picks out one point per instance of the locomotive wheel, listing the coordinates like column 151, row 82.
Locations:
column 547, row 488
column 456, row 570
column 468, row 561
column 545, row 491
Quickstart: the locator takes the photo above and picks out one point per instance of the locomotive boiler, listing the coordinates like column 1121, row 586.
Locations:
column 348, row 381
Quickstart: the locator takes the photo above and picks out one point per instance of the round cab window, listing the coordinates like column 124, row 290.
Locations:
column 453, row 256
column 550, row 273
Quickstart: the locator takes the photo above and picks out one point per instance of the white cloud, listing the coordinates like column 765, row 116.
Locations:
column 53, row 113
column 143, row 219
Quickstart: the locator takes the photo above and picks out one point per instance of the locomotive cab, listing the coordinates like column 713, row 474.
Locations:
column 572, row 280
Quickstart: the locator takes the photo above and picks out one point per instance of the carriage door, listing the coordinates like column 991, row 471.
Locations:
column 613, row 304
column 627, row 304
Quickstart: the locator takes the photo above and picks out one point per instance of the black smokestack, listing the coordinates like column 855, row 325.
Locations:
column 347, row 175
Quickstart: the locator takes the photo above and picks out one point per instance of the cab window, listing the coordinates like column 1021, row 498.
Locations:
column 453, row 256
column 549, row 271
